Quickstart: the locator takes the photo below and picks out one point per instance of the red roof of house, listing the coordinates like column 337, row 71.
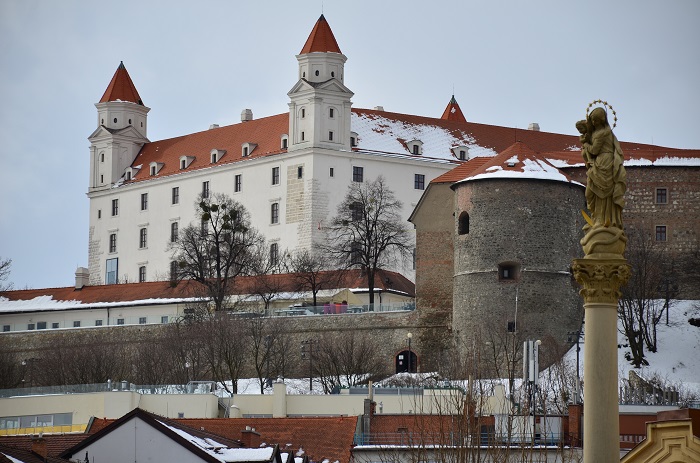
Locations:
column 384, row 281
column 121, row 88
column 453, row 112
column 321, row 39
column 321, row 438
column 53, row 444
column 461, row 171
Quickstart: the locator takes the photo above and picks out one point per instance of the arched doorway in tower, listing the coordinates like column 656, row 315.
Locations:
column 406, row 362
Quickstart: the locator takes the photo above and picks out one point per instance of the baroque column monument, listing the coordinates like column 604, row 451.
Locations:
column 601, row 273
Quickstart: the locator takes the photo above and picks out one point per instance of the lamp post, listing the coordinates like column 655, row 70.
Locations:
column 310, row 343
column 570, row 338
column 410, row 359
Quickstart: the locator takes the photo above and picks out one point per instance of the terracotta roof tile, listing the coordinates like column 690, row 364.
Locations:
column 55, row 443
column 321, row 39
column 453, row 112
column 121, row 88
column 321, row 438
column 384, row 280
column 461, row 171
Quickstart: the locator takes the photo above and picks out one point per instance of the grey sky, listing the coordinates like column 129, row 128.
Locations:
column 197, row 63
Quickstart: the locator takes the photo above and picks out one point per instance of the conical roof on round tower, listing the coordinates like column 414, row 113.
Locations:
column 453, row 112
column 121, row 88
column 321, row 39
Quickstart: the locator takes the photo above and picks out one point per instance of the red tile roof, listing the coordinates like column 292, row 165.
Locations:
column 321, row 39
column 384, row 280
column 321, row 438
column 121, row 88
column 55, row 443
column 461, row 171
column 453, row 112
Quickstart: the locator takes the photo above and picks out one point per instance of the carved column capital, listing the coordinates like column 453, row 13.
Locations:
column 601, row 278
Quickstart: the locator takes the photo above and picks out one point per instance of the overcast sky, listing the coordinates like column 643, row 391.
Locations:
column 197, row 63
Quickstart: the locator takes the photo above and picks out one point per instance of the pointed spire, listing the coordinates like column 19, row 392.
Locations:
column 321, row 39
column 453, row 113
column 121, row 88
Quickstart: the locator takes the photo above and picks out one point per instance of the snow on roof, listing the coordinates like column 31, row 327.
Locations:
column 45, row 303
column 379, row 133
column 668, row 161
column 531, row 169
column 220, row 451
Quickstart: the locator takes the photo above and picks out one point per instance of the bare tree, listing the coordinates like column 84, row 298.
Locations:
column 5, row 267
column 224, row 346
column 346, row 359
column 312, row 272
column 641, row 308
column 219, row 248
column 262, row 333
column 10, row 366
column 368, row 231
column 265, row 284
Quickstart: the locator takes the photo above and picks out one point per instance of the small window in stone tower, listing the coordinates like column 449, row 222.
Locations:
column 661, row 196
column 330, row 135
column 331, row 112
column 102, row 157
column 317, row 73
column 300, row 172
column 115, row 120
column 303, row 113
column 463, row 226
column 507, row 271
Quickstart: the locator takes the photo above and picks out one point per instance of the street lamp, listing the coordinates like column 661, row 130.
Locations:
column 310, row 343
column 410, row 369
column 570, row 339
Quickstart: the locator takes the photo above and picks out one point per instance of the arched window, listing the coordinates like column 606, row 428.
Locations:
column 463, row 226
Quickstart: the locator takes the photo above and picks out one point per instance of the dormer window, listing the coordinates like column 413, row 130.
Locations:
column 128, row 175
column 130, row 172
column 353, row 139
column 247, row 149
column 415, row 147
column 461, row 152
column 156, row 167
column 285, row 141
column 216, row 155
column 185, row 162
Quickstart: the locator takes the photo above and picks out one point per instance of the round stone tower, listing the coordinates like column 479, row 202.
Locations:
column 517, row 228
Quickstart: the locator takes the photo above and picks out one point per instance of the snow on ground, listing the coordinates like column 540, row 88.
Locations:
column 677, row 361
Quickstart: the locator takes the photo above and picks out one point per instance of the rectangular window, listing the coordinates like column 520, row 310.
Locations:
column 237, row 183
column 144, row 201
column 143, row 236
column 331, row 172
column 462, row 155
column 284, row 143
column 115, row 207
column 275, row 175
column 661, row 196
column 99, row 213
column 176, row 195
column 302, row 136
column 275, row 213
column 416, row 149
column 331, row 113
column 31, row 326
column 358, row 174
column 661, row 233
column 330, row 135
column 174, row 232
column 113, row 242
column 356, row 211
column 54, row 325
column 164, row 319
column 5, row 328
column 205, row 189
column 300, row 172
column 142, row 320
column 76, row 324
column 111, row 271
column 98, row 322
column 120, row 321
column 419, row 182
column 41, row 325
column 274, row 254
column 142, row 274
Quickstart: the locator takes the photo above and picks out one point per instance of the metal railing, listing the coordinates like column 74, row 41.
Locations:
column 337, row 309
column 193, row 387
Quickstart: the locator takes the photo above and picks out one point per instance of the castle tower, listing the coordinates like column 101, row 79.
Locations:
column 453, row 112
column 121, row 131
column 319, row 107
column 516, row 228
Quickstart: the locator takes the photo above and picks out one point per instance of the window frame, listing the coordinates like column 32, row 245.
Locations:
column 358, row 174
column 275, row 213
column 205, row 189
column 419, row 181
column 112, row 243
column 238, row 183
column 142, row 274
column 661, row 233
column 274, row 253
column 144, row 201
column 661, row 196
column 143, row 238
column 115, row 207
column 175, row 195
column 174, row 231
column 276, row 175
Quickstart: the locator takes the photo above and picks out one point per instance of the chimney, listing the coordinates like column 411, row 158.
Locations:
column 250, row 438
column 246, row 115
column 214, row 126
column 39, row 446
column 82, row 277
column 379, row 108
column 534, row 126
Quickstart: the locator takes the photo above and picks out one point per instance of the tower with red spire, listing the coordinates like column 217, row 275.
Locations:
column 319, row 107
column 120, row 133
